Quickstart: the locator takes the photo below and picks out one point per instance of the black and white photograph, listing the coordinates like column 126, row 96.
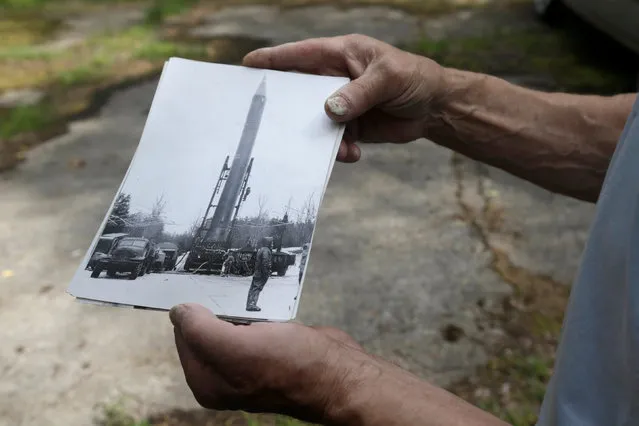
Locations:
column 220, row 202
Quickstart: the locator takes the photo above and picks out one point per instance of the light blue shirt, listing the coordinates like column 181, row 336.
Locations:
column 596, row 375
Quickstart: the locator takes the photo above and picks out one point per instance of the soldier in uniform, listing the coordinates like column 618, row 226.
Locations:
column 228, row 264
column 261, row 274
column 303, row 261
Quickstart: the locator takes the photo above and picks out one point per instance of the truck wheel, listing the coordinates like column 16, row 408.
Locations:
column 137, row 271
column 111, row 273
column 282, row 271
column 96, row 272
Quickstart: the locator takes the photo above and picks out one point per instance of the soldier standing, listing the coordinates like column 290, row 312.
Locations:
column 228, row 264
column 303, row 261
column 261, row 274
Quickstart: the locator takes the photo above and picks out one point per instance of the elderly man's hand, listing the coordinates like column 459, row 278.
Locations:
column 390, row 94
column 286, row 368
column 320, row 375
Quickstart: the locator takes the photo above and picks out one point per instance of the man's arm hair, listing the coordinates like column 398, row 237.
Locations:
column 379, row 393
column 561, row 142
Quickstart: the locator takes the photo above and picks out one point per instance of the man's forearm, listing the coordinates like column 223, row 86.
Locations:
column 559, row 141
column 385, row 395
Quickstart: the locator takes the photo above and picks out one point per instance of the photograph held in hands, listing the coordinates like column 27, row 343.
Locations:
column 220, row 201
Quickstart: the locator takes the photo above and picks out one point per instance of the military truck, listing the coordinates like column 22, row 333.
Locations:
column 281, row 262
column 205, row 258
column 131, row 255
column 209, row 260
column 104, row 246
column 171, row 252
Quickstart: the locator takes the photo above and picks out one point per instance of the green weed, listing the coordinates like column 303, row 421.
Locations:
column 116, row 415
column 161, row 9
column 26, row 119
column 82, row 74
column 28, row 5
column 562, row 56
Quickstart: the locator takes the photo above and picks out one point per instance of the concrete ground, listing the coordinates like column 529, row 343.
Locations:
column 400, row 254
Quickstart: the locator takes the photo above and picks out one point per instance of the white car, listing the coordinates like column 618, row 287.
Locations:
column 617, row 18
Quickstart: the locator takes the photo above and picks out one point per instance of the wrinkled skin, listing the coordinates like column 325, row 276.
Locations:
column 390, row 94
column 263, row 367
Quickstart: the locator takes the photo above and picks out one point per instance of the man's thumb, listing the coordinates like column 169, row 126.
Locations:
column 356, row 97
column 202, row 331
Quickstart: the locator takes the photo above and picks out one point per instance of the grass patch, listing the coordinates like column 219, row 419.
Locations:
column 97, row 59
column 26, row 31
column 26, row 53
column 565, row 56
column 116, row 415
column 512, row 386
column 513, row 383
column 202, row 417
column 71, row 76
column 26, row 119
column 161, row 9
column 30, row 5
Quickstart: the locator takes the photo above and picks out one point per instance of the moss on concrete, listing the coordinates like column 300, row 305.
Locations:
column 26, row 119
column 159, row 10
column 24, row 31
column 563, row 56
column 201, row 417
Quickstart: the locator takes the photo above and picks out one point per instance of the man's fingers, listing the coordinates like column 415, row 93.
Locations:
column 348, row 152
column 357, row 97
column 208, row 388
column 342, row 153
column 309, row 56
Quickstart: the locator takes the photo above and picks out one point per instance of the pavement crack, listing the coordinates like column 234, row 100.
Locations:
column 528, row 320
column 487, row 220
column 467, row 214
column 536, row 300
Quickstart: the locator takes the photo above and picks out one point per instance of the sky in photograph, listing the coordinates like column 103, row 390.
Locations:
column 196, row 120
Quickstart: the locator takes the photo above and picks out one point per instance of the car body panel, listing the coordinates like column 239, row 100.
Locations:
column 104, row 246
column 130, row 254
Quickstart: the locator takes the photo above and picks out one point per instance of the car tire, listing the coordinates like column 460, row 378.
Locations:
column 96, row 272
column 137, row 271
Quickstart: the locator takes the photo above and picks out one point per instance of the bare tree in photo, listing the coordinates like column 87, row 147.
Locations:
column 257, row 228
column 307, row 220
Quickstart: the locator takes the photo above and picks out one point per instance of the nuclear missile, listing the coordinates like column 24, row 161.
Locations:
column 221, row 220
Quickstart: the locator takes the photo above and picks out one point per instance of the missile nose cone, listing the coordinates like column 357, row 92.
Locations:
column 261, row 90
